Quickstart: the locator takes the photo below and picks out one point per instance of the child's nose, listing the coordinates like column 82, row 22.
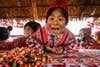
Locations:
column 55, row 22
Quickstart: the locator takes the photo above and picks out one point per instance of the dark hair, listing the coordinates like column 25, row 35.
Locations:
column 86, row 31
column 9, row 28
column 63, row 11
column 34, row 25
column 4, row 33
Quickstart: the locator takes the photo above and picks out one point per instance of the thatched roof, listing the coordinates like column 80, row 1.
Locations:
column 36, row 9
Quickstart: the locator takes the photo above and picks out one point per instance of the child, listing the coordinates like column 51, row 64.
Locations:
column 54, row 36
column 4, row 35
column 26, row 40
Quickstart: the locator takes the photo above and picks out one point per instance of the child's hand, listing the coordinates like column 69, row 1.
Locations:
column 54, row 50
column 48, row 47
column 59, row 50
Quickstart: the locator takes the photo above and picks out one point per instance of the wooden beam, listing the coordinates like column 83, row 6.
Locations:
column 5, row 17
column 72, row 5
column 82, row 9
column 77, row 15
column 15, row 7
column 34, row 7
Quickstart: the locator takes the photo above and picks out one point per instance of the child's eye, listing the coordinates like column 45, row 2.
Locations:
column 61, row 19
column 51, row 18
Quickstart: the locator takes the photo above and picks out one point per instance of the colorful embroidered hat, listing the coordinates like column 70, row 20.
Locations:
column 59, row 3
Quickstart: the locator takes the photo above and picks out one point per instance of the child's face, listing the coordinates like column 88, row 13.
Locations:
column 81, row 34
column 28, row 31
column 56, row 22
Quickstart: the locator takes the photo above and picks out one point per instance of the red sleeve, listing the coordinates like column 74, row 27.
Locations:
column 37, row 36
column 4, row 45
column 94, row 46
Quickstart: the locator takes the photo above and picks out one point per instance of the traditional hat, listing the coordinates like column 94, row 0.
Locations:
column 59, row 3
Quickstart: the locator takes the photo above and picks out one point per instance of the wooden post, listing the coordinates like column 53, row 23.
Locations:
column 34, row 12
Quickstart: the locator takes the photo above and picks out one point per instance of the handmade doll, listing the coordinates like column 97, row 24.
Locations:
column 85, row 40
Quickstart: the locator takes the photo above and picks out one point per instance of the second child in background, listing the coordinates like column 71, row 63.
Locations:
column 26, row 40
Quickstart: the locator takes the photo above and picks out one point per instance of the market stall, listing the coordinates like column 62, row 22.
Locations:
column 34, row 50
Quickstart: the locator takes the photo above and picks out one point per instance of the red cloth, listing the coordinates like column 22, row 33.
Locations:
column 59, row 65
column 4, row 44
column 97, row 45
column 19, row 42
column 94, row 46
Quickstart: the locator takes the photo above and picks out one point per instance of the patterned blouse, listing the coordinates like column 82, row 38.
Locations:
column 65, row 38
column 25, row 42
